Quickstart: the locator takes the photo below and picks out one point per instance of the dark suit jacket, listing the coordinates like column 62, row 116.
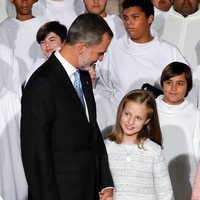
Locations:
column 63, row 153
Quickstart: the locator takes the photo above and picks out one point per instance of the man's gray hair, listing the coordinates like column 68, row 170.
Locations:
column 88, row 28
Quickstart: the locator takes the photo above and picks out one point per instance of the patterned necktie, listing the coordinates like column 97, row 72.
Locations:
column 78, row 86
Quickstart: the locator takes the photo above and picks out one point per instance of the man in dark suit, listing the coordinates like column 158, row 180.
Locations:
column 63, row 151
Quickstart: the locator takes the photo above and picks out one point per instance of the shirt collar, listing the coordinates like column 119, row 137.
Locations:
column 70, row 69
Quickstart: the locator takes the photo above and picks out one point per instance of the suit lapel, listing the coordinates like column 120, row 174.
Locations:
column 88, row 94
column 65, row 81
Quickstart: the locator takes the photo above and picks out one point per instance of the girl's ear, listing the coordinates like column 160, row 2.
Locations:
column 147, row 121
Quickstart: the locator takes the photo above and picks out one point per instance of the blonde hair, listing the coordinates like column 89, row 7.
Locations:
column 150, row 130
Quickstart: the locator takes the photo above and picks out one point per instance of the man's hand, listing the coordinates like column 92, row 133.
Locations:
column 106, row 194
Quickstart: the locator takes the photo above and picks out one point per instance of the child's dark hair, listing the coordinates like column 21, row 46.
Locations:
column 52, row 26
column 175, row 69
column 146, row 6
column 150, row 130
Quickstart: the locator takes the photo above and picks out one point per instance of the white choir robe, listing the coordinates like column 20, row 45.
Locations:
column 64, row 11
column 128, row 65
column 116, row 25
column 21, row 37
column 9, row 70
column 183, row 32
column 158, row 21
column 194, row 94
column 13, row 185
column 36, row 65
column 180, row 126
column 3, row 12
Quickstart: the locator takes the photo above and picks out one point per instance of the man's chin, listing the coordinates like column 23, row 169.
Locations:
column 86, row 67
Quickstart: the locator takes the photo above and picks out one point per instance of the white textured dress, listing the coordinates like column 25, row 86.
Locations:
column 180, row 125
column 139, row 174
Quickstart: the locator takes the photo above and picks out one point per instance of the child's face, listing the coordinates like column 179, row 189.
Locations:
column 23, row 7
column 137, row 24
column 163, row 5
column 51, row 43
column 133, row 118
column 175, row 89
column 186, row 8
column 96, row 6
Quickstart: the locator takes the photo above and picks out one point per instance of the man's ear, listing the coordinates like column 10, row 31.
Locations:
column 147, row 121
column 81, row 48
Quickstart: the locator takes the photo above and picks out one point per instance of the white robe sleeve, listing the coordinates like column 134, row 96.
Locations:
column 104, row 86
column 13, row 185
column 196, row 139
column 9, row 70
column 106, row 111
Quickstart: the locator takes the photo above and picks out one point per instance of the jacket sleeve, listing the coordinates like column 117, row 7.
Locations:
column 36, row 122
column 105, row 178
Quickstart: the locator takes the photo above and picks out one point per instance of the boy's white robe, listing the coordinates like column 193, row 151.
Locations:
column 194, row 94
column 13, row 185
column 158, row 21
column 63, row 11
column 36, row 65
column 9, row 70
column 183, row 32
column 116, row 25
column 180, row 126
column 21, row 37
column 126, row 66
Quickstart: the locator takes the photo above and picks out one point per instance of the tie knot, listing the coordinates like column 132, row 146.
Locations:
column 77, row 74
column 78, row 86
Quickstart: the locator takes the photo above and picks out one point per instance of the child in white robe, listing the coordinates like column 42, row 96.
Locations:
column 19, row 34
column 180, row 126
column 134, row 151
column 113, row 20
column 50, row 37
column 13, row 185
column 64, row 11
column 133, row 60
